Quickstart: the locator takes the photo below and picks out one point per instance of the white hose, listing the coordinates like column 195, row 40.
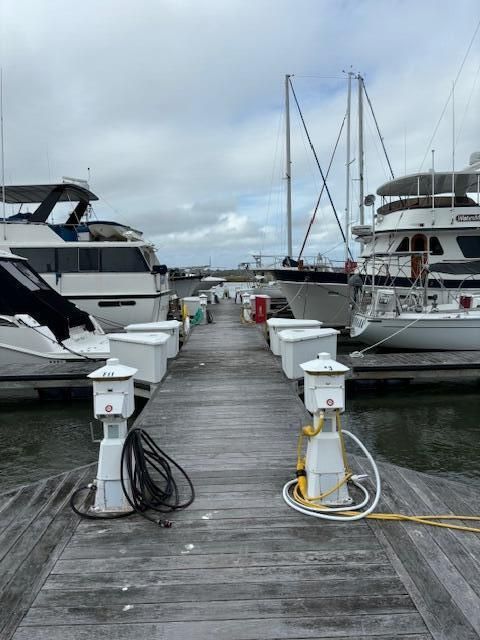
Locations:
column 325, row 514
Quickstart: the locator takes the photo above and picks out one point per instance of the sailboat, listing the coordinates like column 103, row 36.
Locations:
column 320, row 291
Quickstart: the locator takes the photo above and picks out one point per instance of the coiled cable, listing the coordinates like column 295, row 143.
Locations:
column 141, row 457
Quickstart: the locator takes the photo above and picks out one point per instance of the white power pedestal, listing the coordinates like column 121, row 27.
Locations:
column 324, row 389
column 114, row 403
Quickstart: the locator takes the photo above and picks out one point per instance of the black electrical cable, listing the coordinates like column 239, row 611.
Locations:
column 140, row 456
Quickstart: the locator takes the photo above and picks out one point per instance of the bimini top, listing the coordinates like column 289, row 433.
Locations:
column 28, row 193
column 48, row 195
column 421, row 184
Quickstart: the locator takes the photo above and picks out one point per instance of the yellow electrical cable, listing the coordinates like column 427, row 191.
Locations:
column 300, row 491
column 339, row 484
column 310, row 431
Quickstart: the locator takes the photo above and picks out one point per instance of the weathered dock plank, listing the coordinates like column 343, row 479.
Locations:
column 32, row 541
column 416, row 365
column 239, row 564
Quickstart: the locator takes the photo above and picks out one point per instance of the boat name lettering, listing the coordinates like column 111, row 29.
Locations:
column 468, row 217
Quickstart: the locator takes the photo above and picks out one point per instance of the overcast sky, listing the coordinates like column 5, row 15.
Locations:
column 177, row 107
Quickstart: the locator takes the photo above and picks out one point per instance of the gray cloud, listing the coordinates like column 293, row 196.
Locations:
column 175, row 106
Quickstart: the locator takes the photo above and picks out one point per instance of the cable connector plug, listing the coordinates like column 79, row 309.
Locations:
column 359, row 477
column 166, row 524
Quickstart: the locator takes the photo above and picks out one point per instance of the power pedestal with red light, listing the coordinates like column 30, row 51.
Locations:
column 114, row 403
column 324, row 389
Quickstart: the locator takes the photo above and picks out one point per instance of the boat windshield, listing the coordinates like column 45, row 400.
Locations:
column 24, row 275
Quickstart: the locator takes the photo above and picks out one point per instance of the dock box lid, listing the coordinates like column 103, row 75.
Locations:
column 140, row 338
column 292, row 323
column 152, row 327
column 299, row 335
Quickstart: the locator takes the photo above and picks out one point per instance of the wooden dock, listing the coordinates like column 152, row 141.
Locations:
column 413, row 366
column 58, row 375
column 238, row 564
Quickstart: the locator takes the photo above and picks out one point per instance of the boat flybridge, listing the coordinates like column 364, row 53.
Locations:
column 106, row 268
column 39, row 325
column 420, row 272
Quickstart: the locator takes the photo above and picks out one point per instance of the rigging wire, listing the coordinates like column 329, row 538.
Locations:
column 318, row 165
column 270, row 193
column 467, row 106
column 312, row 220
column 378, row 129
column 450, row 94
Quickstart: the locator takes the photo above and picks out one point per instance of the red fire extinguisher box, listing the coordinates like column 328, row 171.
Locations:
column 262, row 305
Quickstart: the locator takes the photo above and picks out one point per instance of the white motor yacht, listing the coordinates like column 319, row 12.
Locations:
column 106, row 268
column 421, row 289
column 39, row 325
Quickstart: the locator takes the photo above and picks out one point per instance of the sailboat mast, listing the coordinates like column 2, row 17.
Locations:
column 360, row 147
column 347, row 185
column 2, row 154
column 288, row 167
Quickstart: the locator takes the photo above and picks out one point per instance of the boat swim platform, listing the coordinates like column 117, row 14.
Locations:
column 238, row 564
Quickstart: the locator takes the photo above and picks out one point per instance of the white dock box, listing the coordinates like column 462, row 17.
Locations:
column 301, row 345
column 210, row 293
column 147, row 352
column 192, row 304
column 279, row 324
column 170, row 327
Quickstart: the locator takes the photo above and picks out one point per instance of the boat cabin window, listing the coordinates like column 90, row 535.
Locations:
column 436, row 248
column 469, row 246
column 404, row 245
column 88, row 259
column 125, row 260
column 67, row 260
column 42, row 259
column 73, row 259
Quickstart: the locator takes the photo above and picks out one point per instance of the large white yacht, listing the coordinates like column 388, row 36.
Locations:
column 107, row 269
column 414, row 234
column 421, row 264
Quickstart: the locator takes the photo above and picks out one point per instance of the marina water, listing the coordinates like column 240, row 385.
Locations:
column 432, row 427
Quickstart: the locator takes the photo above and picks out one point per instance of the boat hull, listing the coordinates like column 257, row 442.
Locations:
column 185, row 286
column 457, row 332
column 328, row 302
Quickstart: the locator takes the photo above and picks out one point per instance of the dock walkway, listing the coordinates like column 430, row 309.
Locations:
column 238, row 564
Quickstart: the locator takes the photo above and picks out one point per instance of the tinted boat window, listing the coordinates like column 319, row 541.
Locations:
column 40, row 259
column 123, row 259
column 469, row 246
column 68, row 260
column 435, row 247
column 88, row 260
column 404, row 245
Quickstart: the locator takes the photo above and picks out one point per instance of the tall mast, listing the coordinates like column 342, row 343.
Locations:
column 360, row 147
column 2, row 154
column 347, row 186
column 288, row 167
